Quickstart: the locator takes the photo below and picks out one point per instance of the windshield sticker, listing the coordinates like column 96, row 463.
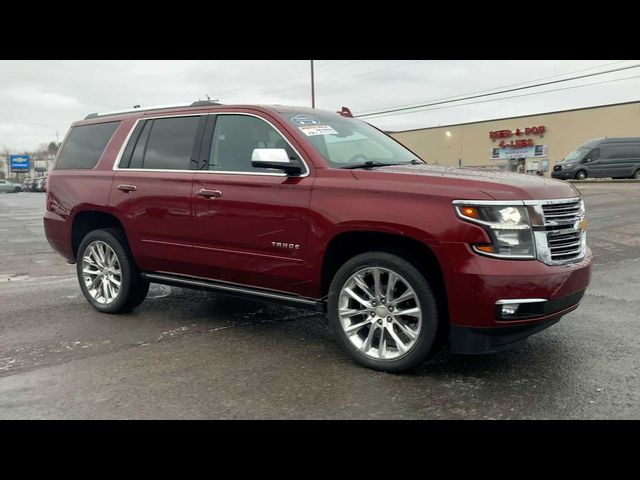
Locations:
column 318, row 130
column 304, row 120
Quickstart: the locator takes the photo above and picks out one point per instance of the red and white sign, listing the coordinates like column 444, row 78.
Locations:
column 518, row 132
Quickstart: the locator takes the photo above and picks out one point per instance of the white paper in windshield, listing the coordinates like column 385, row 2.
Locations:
column 313, row 130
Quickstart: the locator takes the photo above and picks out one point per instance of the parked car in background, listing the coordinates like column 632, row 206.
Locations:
column 602, row 158
column 40, row 184
column 322, row 210
column 28, row 184
column 9, row 186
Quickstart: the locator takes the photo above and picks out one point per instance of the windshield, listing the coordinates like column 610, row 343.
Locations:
column 345, row 142
column 581, row 151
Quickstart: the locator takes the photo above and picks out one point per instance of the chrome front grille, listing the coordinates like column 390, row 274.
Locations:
column 561, row 211
column 559, row 232
column 564, row 246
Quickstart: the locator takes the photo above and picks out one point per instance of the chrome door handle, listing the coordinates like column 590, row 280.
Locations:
column 127, row 188
column 203, row 192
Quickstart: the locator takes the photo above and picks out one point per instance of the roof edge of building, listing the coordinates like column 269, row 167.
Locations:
column 518, row 116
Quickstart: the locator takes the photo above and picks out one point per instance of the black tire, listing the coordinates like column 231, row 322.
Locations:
column 581, row 175
column 17, row 190
column 428, row 341
column 133, row 288
column 636, row 175
column 138, row 295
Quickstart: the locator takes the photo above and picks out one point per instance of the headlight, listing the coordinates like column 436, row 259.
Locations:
column 508, row 227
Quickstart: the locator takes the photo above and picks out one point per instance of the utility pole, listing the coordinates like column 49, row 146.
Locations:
column 313, row 93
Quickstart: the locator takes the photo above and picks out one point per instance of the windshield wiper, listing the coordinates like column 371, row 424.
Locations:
column 371, row 164
column 367, row 164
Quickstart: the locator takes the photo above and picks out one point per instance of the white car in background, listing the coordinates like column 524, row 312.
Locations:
column 9, row 186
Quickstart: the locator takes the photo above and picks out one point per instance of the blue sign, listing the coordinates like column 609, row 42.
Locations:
column 304, row 120
column 19, row 163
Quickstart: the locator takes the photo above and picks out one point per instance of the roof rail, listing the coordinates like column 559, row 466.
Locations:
column 199, row 103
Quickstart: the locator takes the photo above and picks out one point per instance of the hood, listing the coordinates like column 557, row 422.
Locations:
column 463, row 183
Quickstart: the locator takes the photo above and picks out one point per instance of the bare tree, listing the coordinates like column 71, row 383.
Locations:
column 4, row 162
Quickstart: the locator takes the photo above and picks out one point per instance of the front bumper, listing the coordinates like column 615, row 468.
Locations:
column 474, row 284
column 473, row 340
column 562, row 174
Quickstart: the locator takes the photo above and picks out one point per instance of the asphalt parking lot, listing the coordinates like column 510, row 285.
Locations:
column 188, row 354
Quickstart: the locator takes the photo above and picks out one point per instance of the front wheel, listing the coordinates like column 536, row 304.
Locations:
column 108, row 277
column 581, row 175
column 636, row 174
column 383, row 311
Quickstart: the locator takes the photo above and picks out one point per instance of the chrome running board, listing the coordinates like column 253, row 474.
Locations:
column 230, row 288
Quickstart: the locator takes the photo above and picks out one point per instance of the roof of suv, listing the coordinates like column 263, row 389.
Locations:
column 195, row 106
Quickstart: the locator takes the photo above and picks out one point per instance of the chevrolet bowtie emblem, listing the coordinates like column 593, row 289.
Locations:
column 582, row 224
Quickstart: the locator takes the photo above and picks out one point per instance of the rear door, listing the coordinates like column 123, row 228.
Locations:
column 151, row 191
column 250, row 224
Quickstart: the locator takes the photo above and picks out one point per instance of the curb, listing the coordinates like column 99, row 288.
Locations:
column 626, row 180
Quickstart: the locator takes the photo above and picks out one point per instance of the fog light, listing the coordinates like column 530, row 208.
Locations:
column 510, row 308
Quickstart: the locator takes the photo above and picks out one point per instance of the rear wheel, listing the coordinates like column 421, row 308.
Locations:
column 108, row 277
column 17, row 190
column 581, row 175
column 636, row 174
column 383, row 311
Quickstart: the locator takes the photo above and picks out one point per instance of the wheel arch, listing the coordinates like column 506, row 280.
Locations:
column 346, row 245
column 584, row 170
column 86, row 221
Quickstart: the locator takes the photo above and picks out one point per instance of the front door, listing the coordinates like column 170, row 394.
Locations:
column 250, row 224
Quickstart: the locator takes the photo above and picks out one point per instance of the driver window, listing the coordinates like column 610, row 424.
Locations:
column 594, row 155
column 234, row 139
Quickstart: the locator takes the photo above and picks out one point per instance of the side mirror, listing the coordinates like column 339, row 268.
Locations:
column 275, row 158
column 585, row 160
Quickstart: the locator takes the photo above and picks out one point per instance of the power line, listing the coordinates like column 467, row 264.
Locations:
column 511, row 96
column 505, row 86
column 344, row 78
column 393, row 110
column 297, row 74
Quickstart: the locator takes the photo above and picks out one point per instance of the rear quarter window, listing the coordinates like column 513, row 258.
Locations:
column 85, row 145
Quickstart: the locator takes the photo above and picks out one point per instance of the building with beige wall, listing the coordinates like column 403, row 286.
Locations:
column 531, row 149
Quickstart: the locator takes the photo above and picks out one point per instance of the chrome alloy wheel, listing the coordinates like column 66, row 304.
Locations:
column 101, row 272
column 380, row 313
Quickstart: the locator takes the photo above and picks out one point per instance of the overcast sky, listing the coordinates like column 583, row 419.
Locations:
column 39, row 97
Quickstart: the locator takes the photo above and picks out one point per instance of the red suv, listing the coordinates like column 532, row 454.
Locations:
column 322, row 210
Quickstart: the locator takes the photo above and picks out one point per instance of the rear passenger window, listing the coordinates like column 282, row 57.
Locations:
column 85, row 145
column 140, row 146
column 170, row 143
column 162, row 144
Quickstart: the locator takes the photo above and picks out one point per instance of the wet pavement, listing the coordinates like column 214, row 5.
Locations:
column 192, row 354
